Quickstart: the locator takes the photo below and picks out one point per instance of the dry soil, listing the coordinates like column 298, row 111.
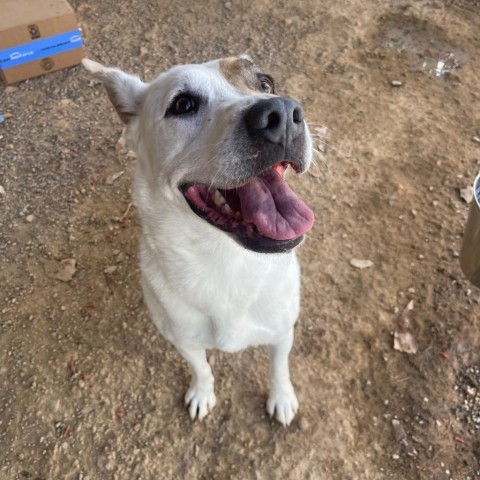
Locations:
column 90, row 390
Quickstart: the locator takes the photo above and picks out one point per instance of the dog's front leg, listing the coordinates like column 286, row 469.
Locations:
column 282, row 401
column 200, row 397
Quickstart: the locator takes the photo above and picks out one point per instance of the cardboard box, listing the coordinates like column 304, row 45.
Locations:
column 36, row 37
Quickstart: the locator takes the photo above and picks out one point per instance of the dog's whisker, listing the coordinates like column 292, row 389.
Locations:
column 321, row 137
column 321, row 141
column 319, row 172
column 322, row 159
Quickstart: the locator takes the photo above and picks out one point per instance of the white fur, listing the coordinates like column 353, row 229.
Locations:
column 203, row 289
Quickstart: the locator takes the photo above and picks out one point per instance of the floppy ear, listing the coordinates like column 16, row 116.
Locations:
column 126, row 92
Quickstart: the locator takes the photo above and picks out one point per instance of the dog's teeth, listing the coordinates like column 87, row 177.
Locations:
column 218, row 199
column 226, row 209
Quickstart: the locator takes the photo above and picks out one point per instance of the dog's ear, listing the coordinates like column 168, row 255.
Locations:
column 126, row 92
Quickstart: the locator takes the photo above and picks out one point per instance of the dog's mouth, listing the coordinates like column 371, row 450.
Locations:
column 265, row 215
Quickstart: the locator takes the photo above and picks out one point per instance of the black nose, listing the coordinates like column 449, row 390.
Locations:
column 278, row 120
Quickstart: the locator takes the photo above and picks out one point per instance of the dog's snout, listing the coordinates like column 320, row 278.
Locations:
column 278, row 120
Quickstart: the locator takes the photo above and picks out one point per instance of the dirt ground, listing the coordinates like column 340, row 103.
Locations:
column 90, row 390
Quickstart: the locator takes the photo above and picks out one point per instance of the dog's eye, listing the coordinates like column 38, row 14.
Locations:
column 183, row 104
column 266, row 85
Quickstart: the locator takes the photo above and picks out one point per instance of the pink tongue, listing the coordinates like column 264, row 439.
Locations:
column 271, row 205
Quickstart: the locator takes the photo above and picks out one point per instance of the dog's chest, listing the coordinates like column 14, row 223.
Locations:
column 228, row 305
column 261, row 322
column 253, row 305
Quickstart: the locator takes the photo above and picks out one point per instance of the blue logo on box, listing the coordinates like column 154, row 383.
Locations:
column 45, row 47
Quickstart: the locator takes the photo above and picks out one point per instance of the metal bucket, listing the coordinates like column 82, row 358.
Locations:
column 470, row 253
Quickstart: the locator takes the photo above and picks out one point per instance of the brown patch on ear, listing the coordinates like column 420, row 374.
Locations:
column 240, row 72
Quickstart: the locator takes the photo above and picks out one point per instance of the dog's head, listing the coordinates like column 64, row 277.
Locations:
column 217, row 138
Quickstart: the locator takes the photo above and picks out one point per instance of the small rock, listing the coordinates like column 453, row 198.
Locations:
column 54, row 406
column 361, row 264
column 404, row 341
column 395, row 456
column 228, row 5
column 400, row 435
column 2, row 191
column 110, row 270
column 476, row 139
column 88, row 408
column 65, row 274
column 466, row 194
column 196, row 451
column 396, row 83
column 29, row 218
column 143, row 51
column 303, row 424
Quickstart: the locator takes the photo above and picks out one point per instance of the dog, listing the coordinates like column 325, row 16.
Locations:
column 219, row 222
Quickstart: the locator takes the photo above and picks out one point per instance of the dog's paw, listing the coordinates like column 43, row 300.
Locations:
column 283, row 404
column 199, row 401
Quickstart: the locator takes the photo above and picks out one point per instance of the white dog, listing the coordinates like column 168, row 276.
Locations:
column 220, row 223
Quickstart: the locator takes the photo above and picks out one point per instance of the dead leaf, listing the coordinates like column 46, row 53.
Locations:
column 111, row 178
column 361, row 264
column 122, row 141
column 65, row 274
column 403, row 341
